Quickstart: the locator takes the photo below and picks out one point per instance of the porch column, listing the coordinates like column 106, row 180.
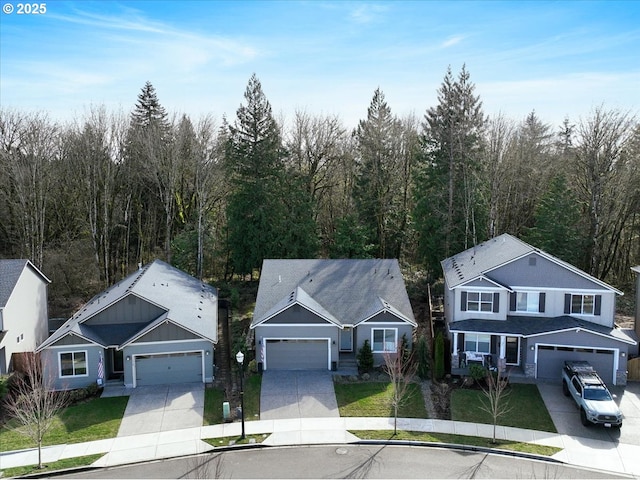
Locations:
column 455, row 358
column 502, row 361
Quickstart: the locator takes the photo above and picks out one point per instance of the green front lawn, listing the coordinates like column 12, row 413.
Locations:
column 93, row 420
column 527, row 408
column 371, row 399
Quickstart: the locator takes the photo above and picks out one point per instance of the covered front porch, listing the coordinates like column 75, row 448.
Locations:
column 498, row 352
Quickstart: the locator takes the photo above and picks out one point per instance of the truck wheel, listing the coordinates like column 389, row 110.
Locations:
column 565, row 389
column 583, row 418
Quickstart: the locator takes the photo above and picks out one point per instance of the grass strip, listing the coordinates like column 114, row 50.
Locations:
column 457, row 440
column 52, row 466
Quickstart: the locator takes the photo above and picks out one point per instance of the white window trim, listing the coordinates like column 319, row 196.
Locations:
column 537, row 309
column 395, row 343
column 480, row 302
column 73, row 352
column 476, row 342
column 582, row 312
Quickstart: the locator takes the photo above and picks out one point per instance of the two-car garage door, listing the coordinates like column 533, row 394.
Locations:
column 551, row 360
column 296, row 354
column 158, row 369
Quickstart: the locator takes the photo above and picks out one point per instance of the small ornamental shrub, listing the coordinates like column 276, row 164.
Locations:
column 365, row 357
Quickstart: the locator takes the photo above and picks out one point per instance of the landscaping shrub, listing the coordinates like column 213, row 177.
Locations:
column 477, row 372
column 438, row 372
column 365, row 357
column 422, row 357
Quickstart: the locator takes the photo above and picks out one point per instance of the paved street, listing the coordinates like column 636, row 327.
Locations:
column 348, row 461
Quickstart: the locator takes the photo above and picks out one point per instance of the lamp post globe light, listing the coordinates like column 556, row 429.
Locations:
column 240, row 360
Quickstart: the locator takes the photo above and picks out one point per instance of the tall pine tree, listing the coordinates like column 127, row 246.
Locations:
column 450, row 213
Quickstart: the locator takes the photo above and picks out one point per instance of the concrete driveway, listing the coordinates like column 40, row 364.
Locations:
column 297, row 394
column 161, row 408
column 566, row 417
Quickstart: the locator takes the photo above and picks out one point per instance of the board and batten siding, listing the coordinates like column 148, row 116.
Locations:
column 167, row 332
column 296, row 314
column 130, row 309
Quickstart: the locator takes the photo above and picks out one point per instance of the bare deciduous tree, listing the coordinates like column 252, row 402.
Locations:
column 496, row 397
column 34, row 404
column 401, row 368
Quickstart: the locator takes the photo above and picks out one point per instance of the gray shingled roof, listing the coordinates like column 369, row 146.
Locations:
column 187, row 301
column 344, row 290
column 527, row 326
column 10, row 271
column 481, row 259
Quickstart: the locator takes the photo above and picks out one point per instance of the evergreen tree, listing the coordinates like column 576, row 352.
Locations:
column 450, row 213
column 148, row 112
column 378, row 185
column 557, row 223
column 269, row 212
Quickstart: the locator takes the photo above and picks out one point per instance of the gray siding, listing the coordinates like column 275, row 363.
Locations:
column 503, row 304
column 167, row 332
column 70, row 339
column 543, row 273
column 385, row 317
column 50, row 361
column 363, row 332
column 130, row 309
column 296, row 314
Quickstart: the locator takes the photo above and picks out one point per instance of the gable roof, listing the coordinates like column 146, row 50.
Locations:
column 481, row 259
column 636, row 269
column 184, row 300
column 10, row 271
column 343, row 291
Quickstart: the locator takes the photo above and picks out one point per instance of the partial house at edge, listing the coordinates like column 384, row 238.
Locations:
column 309, row 312
column 512, row 305
column 23, row 310
column 157, row 326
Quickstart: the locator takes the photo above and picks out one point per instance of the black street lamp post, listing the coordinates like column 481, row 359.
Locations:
column 240, row 360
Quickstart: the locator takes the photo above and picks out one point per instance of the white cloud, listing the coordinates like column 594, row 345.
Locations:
column 451, row 41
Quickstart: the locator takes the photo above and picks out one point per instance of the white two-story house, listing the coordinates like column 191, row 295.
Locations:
column 518, row 308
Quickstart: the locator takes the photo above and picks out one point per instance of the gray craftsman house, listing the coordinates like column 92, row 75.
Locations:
column 310, row 312
column 156, row 326
column 513, row 306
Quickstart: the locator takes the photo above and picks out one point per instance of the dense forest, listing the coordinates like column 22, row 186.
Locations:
column 89, row 200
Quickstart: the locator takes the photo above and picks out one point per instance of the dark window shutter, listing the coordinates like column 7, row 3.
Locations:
column 541, row 302
column 496, row 302
column 512, row 301
column 567, row 303
column 463, row 301
column 598, row 305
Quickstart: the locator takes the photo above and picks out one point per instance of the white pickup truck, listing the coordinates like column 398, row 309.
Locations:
column 584, row 385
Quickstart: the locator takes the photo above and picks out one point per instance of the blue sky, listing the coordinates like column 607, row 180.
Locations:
column 560, row 58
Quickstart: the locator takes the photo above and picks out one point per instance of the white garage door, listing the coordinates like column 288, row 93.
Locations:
column 168, row 368
column 551, row 360
column 297, row 354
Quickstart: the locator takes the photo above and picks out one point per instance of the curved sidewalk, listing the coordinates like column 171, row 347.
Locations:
column 597, row 454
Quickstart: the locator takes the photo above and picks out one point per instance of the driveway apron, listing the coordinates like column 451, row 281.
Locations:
column 162, row 408
column 297, row 394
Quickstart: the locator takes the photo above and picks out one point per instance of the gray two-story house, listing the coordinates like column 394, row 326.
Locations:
column 515, row 307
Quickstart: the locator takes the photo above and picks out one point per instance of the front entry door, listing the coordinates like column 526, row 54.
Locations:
column 513, row 351
column 117, row 362
column 346, row 339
